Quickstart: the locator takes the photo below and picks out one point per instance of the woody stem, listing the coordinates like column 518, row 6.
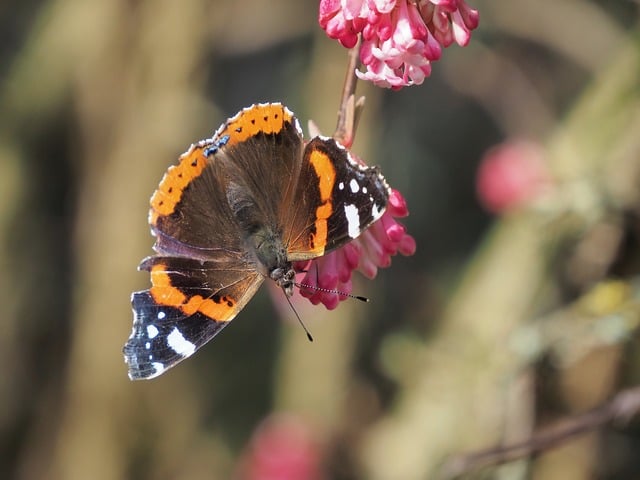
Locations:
column 345, row 128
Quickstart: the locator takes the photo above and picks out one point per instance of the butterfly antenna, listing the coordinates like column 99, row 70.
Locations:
column 304, row 327
column 337, row 292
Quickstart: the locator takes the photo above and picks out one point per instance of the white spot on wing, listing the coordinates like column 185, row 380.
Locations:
column 152, row 330
column 341, row 186
column 353, row 220
column 158, row 367
column 161, row 315
column 147, row 345
column 375, row 212
column 179, row 344
column 353, row 184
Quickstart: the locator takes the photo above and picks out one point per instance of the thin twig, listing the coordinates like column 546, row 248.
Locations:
column 622, row 407
column 349, row 110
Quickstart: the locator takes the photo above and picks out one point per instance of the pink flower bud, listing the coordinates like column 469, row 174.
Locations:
column 510, row 175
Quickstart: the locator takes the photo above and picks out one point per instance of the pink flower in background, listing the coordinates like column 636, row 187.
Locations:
column 400, row 38
column 512, row 174
column 373, row 249
column 283, row 447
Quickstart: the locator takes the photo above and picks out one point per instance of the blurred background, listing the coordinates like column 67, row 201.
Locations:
column 519, row 158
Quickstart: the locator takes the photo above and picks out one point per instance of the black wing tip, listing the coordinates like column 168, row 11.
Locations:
column 141, row 369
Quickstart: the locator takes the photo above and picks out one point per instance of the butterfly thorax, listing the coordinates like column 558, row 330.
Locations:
column 271, row 256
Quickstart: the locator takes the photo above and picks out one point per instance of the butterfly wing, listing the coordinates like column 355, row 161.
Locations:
column 225, row 188
column 262, row 170
column 189, row 214
column 203, row 212
column 336, row 199
column 189, row 302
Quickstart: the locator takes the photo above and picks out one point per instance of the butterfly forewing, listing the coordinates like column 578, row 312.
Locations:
column 336, row 200
column 163, row 336
column 189, row 302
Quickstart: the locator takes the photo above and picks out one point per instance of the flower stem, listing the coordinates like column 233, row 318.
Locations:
column 349, row 110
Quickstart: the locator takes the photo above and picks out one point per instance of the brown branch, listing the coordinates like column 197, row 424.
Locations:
column 350, row 109
column 620, row 408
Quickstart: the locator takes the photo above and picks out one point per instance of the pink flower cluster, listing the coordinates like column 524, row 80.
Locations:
column 511, row 175
column 400, row 38
column 283, row 447
column 324, row 277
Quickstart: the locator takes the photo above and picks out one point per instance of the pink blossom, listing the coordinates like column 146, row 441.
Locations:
column 450, row 20
column 511, row 174
column 373, row 249
column 343, row 19
column 283, row 447
column 400, row 38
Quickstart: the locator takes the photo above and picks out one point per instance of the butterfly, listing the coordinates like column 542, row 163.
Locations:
column 237, row 209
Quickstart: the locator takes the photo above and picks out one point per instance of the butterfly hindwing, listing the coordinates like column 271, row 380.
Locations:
column 226, row 187
column 262, row 173
column 199, row 223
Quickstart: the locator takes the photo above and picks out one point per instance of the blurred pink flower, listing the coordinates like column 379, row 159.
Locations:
column 449, row 20
column 283, row 447
column 511, row 174
column 373, row 249
column 400, row 38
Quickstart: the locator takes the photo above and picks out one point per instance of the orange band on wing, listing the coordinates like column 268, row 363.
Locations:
column 326, row 174
column 269, row 118
column 220, row 309
column 169, row 192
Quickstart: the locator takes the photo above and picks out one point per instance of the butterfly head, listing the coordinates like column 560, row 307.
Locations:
column 284, row 278
column 271, row 256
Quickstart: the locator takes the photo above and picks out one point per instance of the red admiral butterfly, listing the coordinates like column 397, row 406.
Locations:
column 238, row 208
